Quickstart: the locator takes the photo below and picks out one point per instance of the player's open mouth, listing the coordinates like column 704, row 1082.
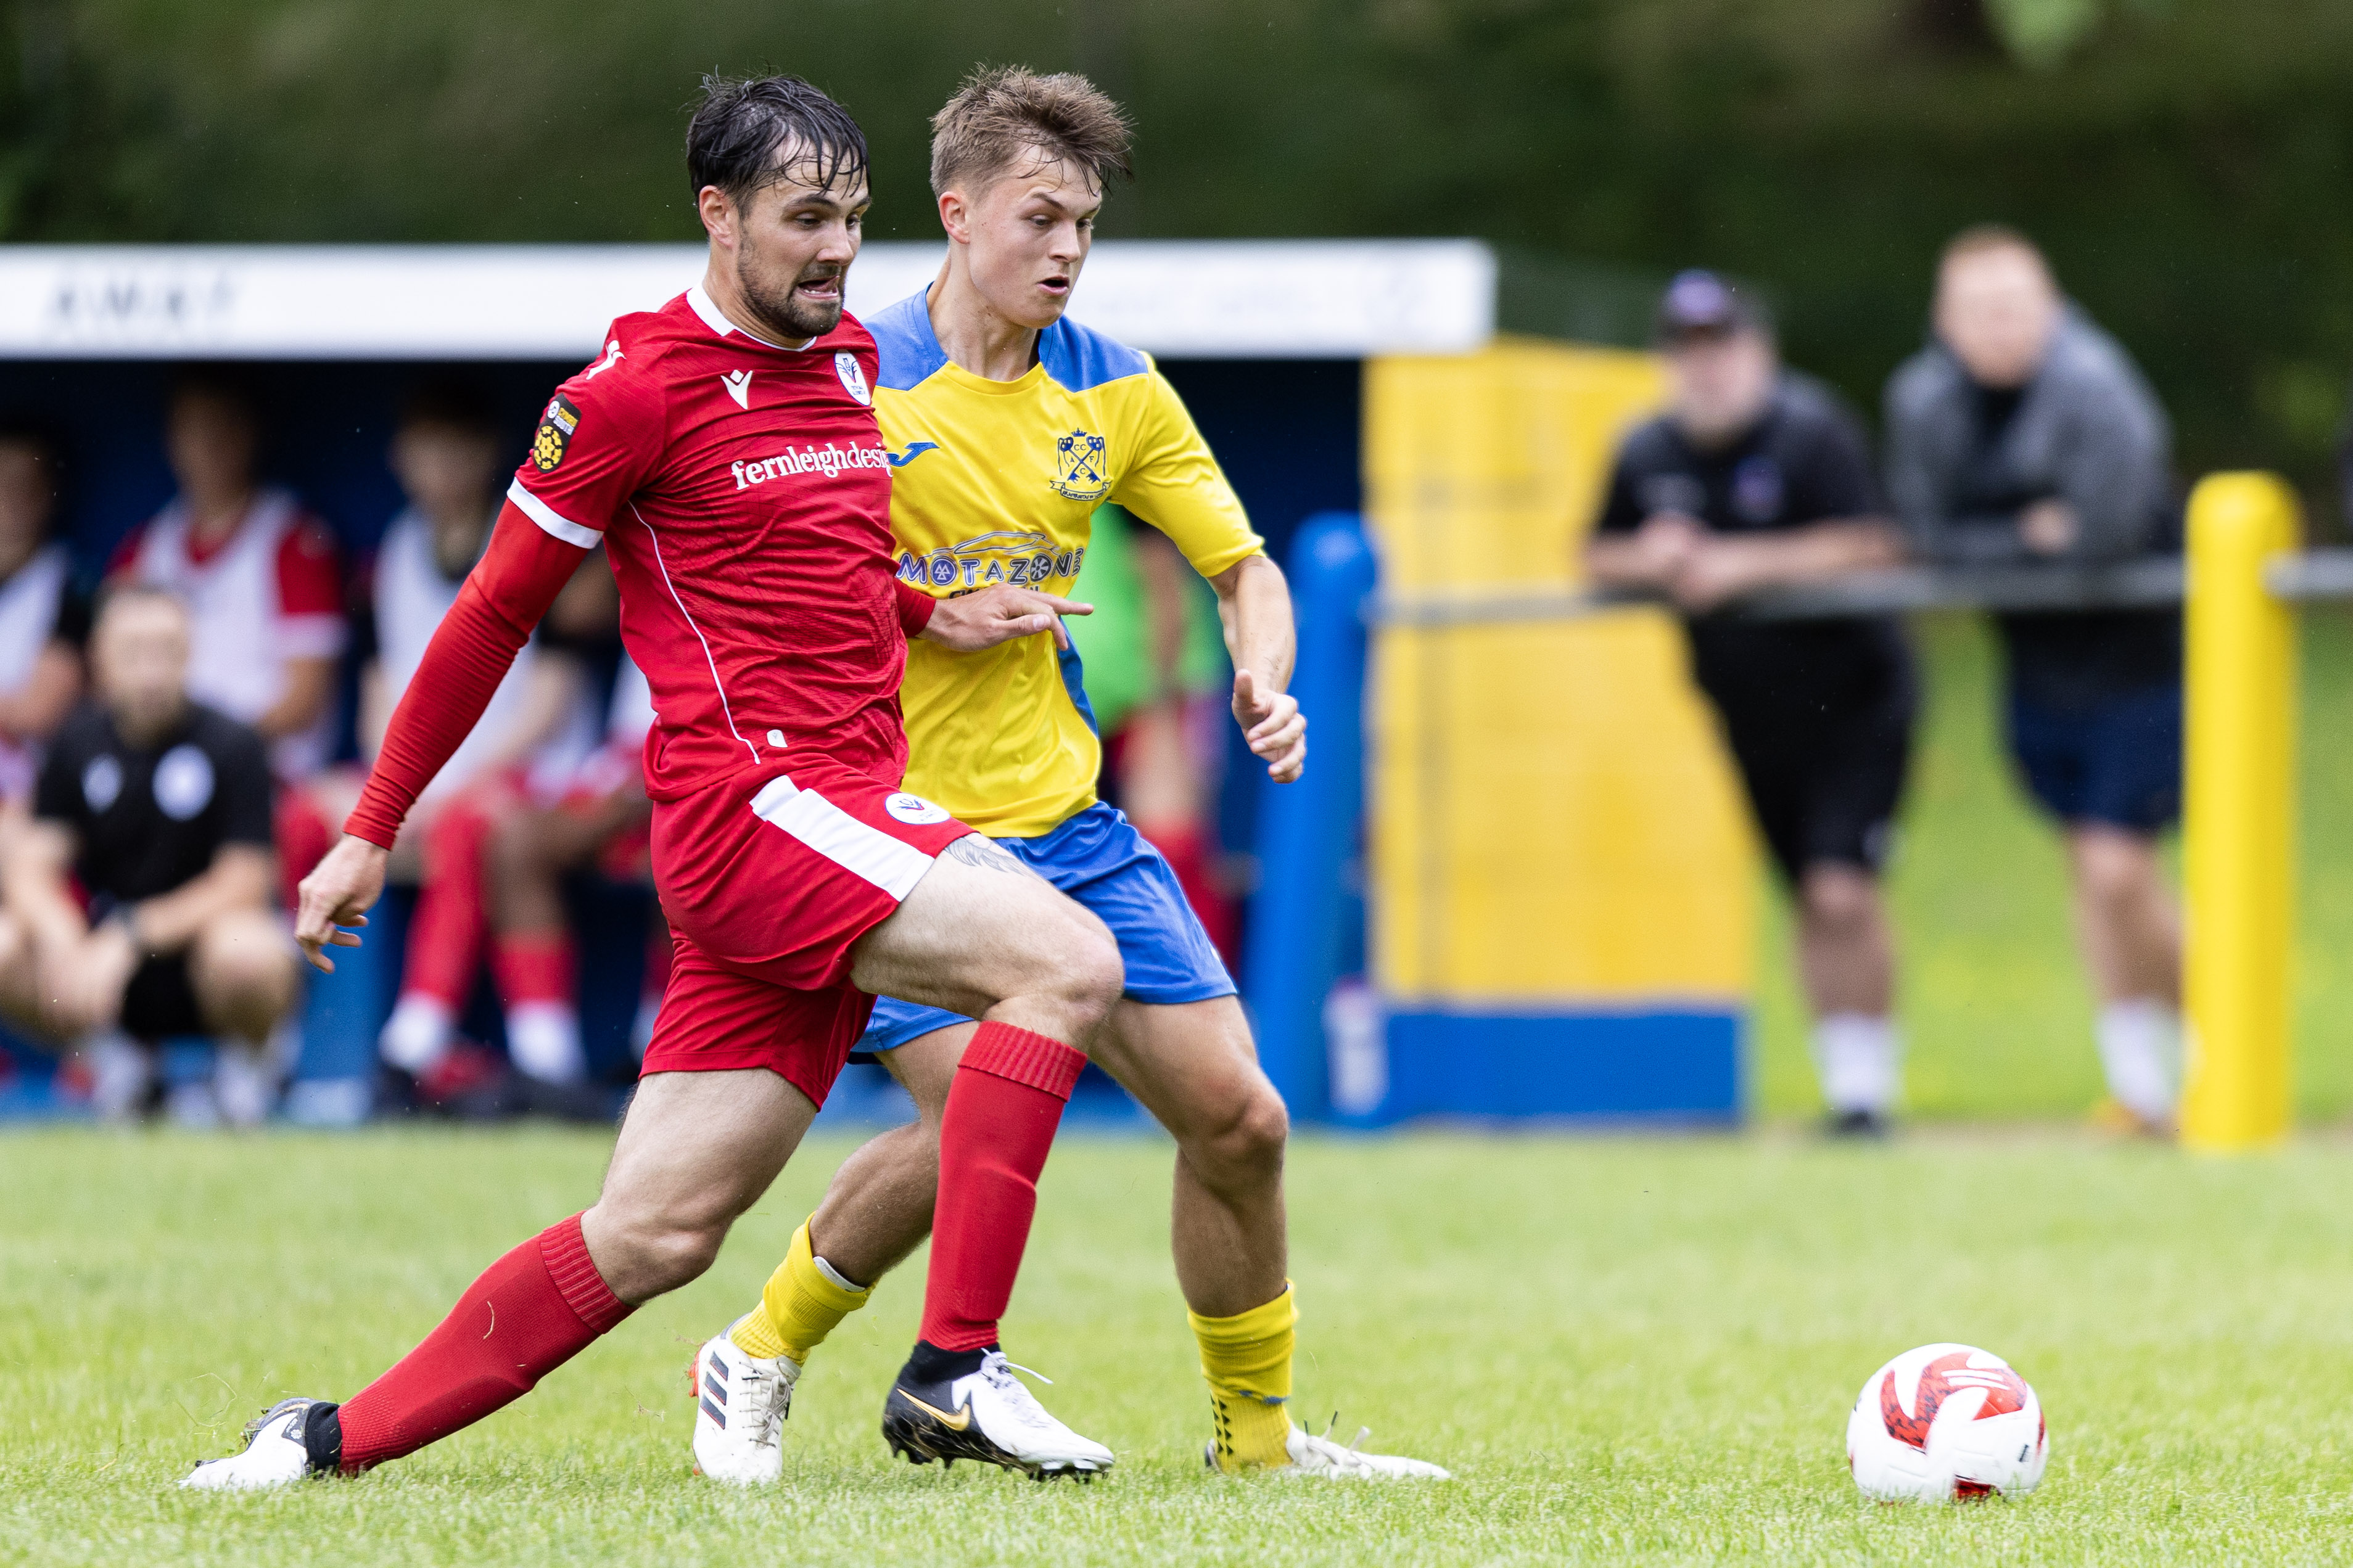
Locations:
column 828, row 290
column 1055, row 285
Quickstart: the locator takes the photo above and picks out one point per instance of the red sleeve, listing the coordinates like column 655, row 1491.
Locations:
column 504, row 596
column 311, row 623
column 915, row 608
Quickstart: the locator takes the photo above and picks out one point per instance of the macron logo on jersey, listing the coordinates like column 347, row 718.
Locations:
column 612, row 353
column 739, row 387
column 828, row 460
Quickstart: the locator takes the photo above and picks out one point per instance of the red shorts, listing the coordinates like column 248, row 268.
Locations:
column 768, row 880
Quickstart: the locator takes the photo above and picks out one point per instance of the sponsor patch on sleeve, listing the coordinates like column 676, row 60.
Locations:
column 554, row 433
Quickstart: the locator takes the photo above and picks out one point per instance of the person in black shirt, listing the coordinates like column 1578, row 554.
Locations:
column 2023, row 433
column 156, row 810
column 1757, row 476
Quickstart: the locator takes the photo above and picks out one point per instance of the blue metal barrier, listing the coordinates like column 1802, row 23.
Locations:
column 1306, row 919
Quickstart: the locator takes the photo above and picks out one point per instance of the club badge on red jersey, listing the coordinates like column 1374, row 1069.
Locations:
column 554, row 433
column 853, row 380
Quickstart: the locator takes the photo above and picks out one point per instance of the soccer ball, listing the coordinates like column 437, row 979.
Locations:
column 1942, row 1422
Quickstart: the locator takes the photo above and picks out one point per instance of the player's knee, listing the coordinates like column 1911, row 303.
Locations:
column 243, row 973
column 1245, row 1146
column 2114, row 868
column 1840, row 901
column 656, row 1253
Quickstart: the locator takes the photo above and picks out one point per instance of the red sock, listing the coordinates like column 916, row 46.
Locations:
column 530, row 1312
column 533, row 966
column 445, row 935
column 1003, row 1106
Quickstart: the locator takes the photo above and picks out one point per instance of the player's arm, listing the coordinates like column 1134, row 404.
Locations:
column 1176, row 486
column 970, row 622
column 1725, row 566
column 504, row 598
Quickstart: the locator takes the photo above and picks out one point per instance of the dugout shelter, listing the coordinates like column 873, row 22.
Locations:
column 1558, row 882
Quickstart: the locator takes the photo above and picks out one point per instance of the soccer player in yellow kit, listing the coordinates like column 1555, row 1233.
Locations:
column 1008, row 426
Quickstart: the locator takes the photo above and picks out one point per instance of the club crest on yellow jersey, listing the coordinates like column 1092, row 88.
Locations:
column 1082, row 472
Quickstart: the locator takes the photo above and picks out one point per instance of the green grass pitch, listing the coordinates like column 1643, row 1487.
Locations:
column 1628, row 1349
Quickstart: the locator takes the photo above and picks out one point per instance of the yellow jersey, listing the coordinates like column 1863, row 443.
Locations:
column 995, row 481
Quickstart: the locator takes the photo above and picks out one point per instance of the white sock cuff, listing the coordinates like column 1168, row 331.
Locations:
column 1857, row 1054
column 837, row 1275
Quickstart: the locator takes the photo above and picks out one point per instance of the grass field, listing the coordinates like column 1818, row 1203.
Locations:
column 1995, row 1010
column 1628, row 1351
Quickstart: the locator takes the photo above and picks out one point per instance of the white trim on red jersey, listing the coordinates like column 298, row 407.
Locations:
column 552, row 522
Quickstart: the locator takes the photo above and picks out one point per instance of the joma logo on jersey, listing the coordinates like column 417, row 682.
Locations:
column 1080, row 472
column 1021, row 560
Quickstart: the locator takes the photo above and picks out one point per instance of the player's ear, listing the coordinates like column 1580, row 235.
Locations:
column 718, row 213
column 955, row 216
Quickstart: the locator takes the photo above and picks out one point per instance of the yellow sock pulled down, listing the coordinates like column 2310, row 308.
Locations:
column 798, row 1307
column 1247, row 1360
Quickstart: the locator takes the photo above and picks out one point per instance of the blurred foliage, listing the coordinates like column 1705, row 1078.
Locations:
column 2185, row 161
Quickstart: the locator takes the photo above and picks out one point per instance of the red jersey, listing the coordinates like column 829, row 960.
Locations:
column 743, row 494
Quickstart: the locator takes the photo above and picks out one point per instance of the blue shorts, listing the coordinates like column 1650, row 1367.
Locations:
column 1099, row 859
column 2117, row 763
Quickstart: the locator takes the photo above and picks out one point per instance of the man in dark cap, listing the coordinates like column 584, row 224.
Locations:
column 1755, row 477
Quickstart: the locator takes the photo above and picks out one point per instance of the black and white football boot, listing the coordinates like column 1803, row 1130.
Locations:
column 951, row 1406
column 291, row 1441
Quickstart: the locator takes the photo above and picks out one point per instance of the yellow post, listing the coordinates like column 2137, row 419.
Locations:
column 2239, row 818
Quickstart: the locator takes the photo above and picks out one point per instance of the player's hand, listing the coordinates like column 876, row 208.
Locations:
column 338, row 892
column 2049, row 527
column 1273, row 725
column 971, row 621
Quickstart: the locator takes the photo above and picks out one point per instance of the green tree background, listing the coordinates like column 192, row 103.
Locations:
column 2186, row 162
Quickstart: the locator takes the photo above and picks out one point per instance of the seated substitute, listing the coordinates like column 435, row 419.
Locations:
column 155, row 810
column 2023, row 433
column 43, row 619
column 1756, row 476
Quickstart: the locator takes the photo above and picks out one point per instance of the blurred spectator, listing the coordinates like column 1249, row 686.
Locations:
column 1755, row 477
column 592, row 813
column 2022, row 433
column 43, row 620
column 156, row 810
column 1157, row 679
column 258, row 574
column 446, row 455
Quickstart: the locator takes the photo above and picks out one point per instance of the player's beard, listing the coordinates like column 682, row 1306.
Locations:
column 781, row 311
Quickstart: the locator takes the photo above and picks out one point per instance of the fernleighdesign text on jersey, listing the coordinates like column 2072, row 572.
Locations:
column 828, row 460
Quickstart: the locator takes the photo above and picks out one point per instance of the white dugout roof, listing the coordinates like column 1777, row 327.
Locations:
column 1177, row 299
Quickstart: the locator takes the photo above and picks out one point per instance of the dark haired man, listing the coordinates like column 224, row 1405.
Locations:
column 723, row 450
column 261, row 577
column 1011, row 425
column 1753, row 477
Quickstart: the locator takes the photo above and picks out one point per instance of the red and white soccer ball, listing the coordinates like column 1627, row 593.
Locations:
column 1944, row 1422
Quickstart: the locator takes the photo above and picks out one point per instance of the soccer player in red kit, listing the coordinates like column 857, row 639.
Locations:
column 724, row 451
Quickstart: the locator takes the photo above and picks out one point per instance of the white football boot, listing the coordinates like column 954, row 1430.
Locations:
column 741, row 1402
column 275, row 1454
column 989, row 1416
column 1321, row 1456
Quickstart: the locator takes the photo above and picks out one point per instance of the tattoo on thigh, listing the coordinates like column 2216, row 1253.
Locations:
column 973, row 850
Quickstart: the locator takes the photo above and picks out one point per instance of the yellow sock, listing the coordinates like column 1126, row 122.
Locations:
column 1247, row 1359
column 797, row 1309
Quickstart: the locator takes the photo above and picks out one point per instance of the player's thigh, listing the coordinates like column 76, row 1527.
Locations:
column 701, row 1147
column 239, row 955
column 1192, row 1065
column 981, row 927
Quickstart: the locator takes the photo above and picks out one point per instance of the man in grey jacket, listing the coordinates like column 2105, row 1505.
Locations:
column 2024, row 434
